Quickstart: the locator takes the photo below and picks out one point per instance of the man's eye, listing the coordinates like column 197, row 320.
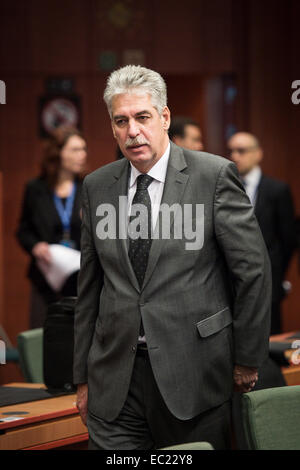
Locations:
column 143, row 118
column 120, row 122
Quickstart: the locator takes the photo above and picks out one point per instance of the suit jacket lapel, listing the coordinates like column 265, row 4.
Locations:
column 48, row 203
column 259, row 197
column 175, row 184
column 117, row 188
column 174, row 188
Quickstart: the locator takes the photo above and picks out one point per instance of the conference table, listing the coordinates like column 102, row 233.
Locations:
column 43, row 424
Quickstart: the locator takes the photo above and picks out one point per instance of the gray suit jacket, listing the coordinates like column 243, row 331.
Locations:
column 203, row 310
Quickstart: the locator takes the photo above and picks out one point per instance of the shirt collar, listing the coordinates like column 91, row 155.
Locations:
column 157, row 172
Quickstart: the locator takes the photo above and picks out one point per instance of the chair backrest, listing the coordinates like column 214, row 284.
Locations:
column 30, row 346
column 271, row 418
column 191, row 446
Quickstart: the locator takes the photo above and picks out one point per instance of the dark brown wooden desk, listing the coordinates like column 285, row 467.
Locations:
column 49, row 424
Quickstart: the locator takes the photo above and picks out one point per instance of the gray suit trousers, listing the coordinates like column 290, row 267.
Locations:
column 146, row 423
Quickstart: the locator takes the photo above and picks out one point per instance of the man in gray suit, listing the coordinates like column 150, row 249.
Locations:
column 173, row 307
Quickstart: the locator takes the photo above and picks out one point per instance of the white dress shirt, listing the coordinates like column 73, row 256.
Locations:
column 252, row 180
column 155, row 189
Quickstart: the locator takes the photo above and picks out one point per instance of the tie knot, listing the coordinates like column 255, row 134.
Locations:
column 143, row 181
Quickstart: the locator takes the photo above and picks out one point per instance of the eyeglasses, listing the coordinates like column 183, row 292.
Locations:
column 241, row 150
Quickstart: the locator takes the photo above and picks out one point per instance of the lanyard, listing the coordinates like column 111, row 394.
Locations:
column 65, row 213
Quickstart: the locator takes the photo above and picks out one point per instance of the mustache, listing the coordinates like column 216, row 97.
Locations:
column 136, row 141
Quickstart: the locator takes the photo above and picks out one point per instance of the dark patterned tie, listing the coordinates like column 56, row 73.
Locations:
column 139, row 249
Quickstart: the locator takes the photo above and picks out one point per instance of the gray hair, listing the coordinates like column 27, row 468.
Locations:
column 134, row 78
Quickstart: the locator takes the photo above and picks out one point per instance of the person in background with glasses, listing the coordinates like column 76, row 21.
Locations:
column 273, row 205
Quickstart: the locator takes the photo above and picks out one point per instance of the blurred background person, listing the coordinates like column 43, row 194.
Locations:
column 273, row 205
column 186, row 133
column 51, row 214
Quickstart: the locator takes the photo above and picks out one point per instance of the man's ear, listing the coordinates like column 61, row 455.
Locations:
column 260, row 155
column 166, row 118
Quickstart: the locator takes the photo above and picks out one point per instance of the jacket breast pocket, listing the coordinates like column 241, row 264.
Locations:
column 214, row 323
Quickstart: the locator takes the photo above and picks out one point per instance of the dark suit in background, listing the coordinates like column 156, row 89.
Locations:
column 275, row 214
column 273, row 208
column 39, row 222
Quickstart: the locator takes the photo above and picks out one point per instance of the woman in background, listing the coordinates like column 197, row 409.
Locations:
column 51, row 214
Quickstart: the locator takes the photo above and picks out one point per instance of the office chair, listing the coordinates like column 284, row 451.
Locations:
column 30, row 347
column 271, row 418
column 11, row 354
column 191, row 446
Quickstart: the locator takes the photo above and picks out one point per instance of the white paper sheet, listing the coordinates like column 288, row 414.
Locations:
column 64, row 262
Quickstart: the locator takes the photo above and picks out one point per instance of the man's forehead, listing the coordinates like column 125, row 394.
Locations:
column 239, row 141
column 131, row 103
column 193, row 129
column 75, row 141
column 242, row 139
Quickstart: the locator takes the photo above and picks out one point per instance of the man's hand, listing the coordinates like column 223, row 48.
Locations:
column 245, row 378
column 41, row 252
column 82, row 400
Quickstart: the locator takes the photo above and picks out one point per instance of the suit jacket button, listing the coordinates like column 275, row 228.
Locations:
column 133, row 349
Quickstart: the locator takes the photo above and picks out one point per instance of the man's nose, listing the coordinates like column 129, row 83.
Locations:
column 133, row 129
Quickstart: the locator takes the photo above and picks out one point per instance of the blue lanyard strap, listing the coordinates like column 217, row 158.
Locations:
column 65, row 213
